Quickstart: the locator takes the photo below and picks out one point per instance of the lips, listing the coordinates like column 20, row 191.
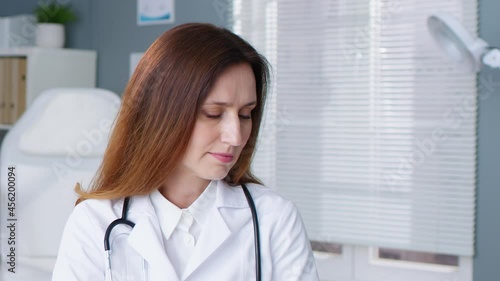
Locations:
column 223, row 157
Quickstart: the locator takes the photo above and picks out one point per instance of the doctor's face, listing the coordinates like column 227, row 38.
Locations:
column 223, row 125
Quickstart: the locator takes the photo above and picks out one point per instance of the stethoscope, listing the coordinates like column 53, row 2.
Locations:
column 124, row 220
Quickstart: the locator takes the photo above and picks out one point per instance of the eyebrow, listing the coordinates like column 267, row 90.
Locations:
column 227, row 104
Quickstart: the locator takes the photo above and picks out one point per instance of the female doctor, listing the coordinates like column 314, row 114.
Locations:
column 180, row 151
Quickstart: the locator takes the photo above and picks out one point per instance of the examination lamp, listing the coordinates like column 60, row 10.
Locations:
column 459, row 44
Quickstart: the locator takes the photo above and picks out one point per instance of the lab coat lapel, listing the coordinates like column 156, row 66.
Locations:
column 216, row 229
column 146, row 239
column 210, row 239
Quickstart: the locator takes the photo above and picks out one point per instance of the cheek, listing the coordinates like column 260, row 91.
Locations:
column 247, row 133
column 202, row 137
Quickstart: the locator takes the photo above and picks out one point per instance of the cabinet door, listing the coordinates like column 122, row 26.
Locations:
column 6, row 90
column 3, row 87
column 12, row 89
column 18, row 89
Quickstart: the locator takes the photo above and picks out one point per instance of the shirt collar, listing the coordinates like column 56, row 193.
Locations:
column 200, row 207
column 169, row 214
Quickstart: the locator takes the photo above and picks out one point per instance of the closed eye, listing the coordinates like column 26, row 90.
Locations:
column 246, row 117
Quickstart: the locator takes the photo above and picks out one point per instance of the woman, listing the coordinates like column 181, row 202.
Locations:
column 181, row 149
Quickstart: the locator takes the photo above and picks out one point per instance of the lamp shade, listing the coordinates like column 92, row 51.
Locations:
column 456, row 41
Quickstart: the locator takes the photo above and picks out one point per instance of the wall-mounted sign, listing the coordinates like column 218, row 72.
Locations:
column 155, row 12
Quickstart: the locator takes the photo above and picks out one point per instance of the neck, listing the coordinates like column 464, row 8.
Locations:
column 183, row 191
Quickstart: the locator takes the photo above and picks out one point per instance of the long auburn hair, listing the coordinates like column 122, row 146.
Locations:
column 160, row 106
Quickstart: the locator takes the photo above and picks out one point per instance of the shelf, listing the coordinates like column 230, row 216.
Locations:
column 26, row 51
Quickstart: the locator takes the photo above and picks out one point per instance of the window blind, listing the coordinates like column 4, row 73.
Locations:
column 369, row 129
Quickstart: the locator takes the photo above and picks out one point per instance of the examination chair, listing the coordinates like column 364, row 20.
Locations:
column 59, row 141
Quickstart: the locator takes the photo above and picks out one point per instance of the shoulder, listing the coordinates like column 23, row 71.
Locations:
column 285, row 234
column 269, row 199
column 264, row 192
column 278, row 215
column 100, row 212
column 97, row 207
column 92, row 214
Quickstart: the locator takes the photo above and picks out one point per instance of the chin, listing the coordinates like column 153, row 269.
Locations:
column 217, row 175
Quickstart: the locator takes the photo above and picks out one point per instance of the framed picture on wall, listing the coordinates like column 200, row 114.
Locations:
column 151, row 12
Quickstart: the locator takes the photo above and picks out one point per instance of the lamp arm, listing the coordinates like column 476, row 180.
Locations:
column 492, row 57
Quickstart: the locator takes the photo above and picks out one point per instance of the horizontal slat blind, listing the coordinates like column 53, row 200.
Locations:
column 371, row 130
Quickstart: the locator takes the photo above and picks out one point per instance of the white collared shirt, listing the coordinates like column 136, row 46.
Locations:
column 181, row 228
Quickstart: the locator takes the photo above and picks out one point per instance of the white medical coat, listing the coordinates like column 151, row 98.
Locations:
column 223, row 252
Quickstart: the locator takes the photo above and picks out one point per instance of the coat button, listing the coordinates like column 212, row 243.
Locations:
column 188, row 239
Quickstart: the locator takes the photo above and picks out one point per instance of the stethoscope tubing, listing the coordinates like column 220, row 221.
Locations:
column 255, row 231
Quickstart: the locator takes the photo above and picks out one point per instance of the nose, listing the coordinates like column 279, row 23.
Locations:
column 231, row 131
